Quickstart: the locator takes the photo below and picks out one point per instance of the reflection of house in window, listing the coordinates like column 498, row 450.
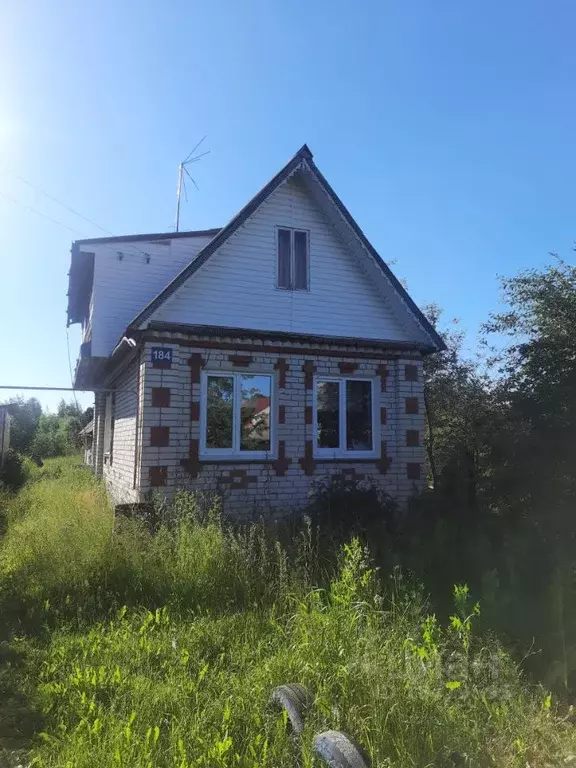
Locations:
column 256, row 423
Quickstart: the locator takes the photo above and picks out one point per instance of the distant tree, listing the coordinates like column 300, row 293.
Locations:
column 24, row 421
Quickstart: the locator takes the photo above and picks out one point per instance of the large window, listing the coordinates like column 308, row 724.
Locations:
column 292, row 269
column 236, row 410
column 344, row 418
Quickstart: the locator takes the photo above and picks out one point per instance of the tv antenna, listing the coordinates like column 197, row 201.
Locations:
column 182, row 171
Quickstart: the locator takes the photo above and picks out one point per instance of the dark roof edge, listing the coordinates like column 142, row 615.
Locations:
column 151, row 236
column 306, row 338
column 224, row 234
column 420, row 316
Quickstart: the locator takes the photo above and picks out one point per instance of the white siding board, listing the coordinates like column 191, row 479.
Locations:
column 236, row 286
column 122, row 288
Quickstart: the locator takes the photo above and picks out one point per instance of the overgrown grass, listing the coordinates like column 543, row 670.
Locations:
column 136, row 650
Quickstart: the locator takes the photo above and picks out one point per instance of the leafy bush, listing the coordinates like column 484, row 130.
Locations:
column 345, row 507
column 163, row 649
column 14, row 472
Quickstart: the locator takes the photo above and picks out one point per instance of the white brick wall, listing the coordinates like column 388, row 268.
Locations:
column 268, row 490
column 119, row 466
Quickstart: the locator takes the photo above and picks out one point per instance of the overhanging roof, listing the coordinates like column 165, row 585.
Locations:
column 303, row 161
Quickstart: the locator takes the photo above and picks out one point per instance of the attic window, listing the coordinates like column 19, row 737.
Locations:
column 293, row 261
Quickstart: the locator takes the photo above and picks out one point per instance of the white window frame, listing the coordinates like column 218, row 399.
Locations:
column 234, row 452
column 342, row 452
column 292, row 257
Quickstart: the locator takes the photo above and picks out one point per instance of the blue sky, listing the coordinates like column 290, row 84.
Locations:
column 447, row 129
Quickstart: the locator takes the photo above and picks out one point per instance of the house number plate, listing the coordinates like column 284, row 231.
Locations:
column 161, row 357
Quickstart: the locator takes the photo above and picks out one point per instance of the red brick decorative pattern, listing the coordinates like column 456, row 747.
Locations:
column 282, row 462
column 159, row 437
column 413, row 471
column 412, row 405
column 309, row 370
column 236, row 478
column 411, row 372
column 412, row 438
column 383, row 415
column 196, row 362
column 383, row 463
column 158, row 476
column 347, row 367
column 194, row 411
column 308, row 414
column 307, row 461
column 382, row 371
column 348, row 478
column 160, row 397
column 281, row 414
column 282, row 367
column 192, row 463
column 240, row 361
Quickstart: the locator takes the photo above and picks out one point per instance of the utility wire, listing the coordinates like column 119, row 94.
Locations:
column 39, row 213
column 54, row 199
column 66, row 207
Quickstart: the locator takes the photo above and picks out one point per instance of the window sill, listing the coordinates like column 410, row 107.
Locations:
column 236, row 460
column 344, row 460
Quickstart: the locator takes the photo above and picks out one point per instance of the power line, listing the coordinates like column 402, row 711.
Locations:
column 54, row 199
column 39, row 213
column 66, row 207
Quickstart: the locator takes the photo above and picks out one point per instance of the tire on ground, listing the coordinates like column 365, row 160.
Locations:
column 295, row 700
column 339, row 751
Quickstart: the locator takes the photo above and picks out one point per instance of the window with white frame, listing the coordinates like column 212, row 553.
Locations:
column 236, row 415
column 293, row 261
column 344, row 417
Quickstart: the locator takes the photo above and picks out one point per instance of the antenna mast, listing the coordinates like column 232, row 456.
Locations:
column 182, row 169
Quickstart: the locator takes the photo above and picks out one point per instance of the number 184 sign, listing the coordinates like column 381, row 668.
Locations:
column 161, row 357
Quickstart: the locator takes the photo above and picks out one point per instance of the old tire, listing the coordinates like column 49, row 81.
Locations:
column 295, row 700
column 339, row 751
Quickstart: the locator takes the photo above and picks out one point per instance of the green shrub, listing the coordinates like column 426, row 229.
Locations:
column 162, row 649
column 14, row 471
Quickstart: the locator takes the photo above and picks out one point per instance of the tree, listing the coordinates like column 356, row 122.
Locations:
column 459, row 415
column 24, row 421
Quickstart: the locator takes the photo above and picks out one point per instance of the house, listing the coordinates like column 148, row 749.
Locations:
column 86, row 435
column 253, row 361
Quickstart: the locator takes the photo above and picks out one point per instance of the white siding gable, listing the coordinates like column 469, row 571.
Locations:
column 236, row 287
column 123, row 286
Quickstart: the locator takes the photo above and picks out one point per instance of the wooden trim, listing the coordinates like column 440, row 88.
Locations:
column 194, row 411
column 281, row 414
column 383, row 415
column 308, row 414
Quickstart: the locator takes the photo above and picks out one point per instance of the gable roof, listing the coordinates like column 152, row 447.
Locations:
column 302, row 157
